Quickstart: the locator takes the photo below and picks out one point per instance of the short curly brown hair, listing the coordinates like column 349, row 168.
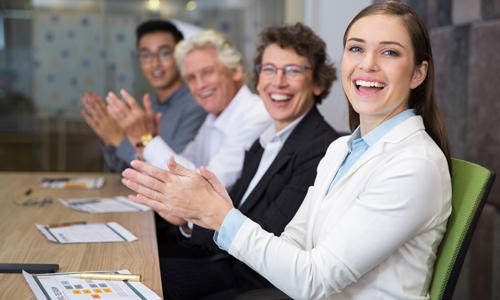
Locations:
column 304, row 42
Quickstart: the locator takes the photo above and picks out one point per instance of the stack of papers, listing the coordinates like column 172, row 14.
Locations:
column 58, row 286
column 87, row 233
column 75, row 182
column 104, row 205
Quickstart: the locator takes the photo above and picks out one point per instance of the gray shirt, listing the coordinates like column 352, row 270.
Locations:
column 181, row 118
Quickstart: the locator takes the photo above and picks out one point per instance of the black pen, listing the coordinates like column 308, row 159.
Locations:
column 50, row 180
column 84, row 202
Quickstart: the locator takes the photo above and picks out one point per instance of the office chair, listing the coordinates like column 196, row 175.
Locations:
column 471, row 185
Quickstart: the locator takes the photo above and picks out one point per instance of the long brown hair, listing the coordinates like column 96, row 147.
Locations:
column 422, row 99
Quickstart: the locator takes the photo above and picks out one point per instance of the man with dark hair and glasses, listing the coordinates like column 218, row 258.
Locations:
column 177, row 114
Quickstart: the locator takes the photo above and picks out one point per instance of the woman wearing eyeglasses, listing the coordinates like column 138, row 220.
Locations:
column 278, row 168
column 370, row 226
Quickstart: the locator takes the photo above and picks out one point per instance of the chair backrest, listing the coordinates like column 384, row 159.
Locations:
column 471, row 185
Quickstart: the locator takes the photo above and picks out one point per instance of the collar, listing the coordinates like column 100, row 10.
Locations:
column 271, row 135
column 230, row 114
column 373, row 136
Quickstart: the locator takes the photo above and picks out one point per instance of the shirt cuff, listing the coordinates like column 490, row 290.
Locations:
column 186, row 235
column 157, row 153
column 229, row 229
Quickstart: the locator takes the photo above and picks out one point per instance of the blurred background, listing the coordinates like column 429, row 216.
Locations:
column 53, row 51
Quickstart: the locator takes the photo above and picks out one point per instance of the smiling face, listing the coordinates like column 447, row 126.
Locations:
column 286, row 99
column 211, row 83
column 378, row 71
column 160, row 70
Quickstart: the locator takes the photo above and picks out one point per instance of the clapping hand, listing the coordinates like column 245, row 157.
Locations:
column 98, row 118
column 134, row 120
column 180, row 192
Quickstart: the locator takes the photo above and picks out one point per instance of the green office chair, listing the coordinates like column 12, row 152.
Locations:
column 471, row 185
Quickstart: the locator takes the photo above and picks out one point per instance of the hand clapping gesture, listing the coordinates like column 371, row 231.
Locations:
column 134, row 120
column 180, row 192
column 98, row 118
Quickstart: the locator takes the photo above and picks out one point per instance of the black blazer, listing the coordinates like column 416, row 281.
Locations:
column 280, row 192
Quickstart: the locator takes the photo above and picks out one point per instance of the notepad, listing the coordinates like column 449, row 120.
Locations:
column 55, row 286
column 104, row 205
column 87, row 233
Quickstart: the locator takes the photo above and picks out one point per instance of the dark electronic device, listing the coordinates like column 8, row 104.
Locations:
column 30, row 268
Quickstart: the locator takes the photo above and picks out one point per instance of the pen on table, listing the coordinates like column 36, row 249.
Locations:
column 50, row 180
column 66, row 224
column 80, row 202
column 107, row 276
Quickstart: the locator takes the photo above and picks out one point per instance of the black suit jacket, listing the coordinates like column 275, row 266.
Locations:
column 280, row 192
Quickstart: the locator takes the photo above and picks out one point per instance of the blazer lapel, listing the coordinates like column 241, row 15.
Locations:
column 259, row 189
column 323, row 184
column 372, row 152
column 251, row 163
column 299, row 136
column 394, row 136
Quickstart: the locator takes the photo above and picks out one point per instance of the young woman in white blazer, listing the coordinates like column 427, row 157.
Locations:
column 370, row 226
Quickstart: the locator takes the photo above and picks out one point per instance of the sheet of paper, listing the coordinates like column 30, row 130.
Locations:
column 88, row 233
column 72, row 183
column 104, row 205
column 60, row 286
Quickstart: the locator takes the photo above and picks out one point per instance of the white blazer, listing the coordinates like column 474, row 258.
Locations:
column 373, row 236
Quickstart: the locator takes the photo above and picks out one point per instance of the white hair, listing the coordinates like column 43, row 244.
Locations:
column 226, row 53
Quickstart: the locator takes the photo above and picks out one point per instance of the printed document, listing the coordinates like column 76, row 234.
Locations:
column 60, row 286
column 87, row 233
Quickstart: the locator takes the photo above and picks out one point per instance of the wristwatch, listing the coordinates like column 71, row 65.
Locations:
column 145, row 139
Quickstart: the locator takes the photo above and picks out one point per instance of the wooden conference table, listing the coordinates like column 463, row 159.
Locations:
column 21, row 241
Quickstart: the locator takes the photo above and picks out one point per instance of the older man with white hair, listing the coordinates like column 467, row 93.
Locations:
column 214, row 73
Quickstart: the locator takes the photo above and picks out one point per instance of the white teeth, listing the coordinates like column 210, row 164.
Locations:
column 207, row 94
column 369, row 83
column 279, row 97
column 158, row 73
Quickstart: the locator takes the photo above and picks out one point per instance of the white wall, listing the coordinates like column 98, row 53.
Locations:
column 329, row 18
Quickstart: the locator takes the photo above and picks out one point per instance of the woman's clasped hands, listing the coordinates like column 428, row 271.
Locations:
column 200, row 199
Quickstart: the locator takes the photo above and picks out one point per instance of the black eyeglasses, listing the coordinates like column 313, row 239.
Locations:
column 268, row 71
column 162, row 56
